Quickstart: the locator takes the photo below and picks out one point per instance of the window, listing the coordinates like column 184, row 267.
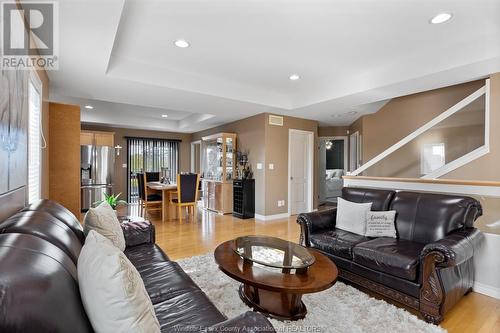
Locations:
column 432, row 157
column 150, row 155
column 34, row 138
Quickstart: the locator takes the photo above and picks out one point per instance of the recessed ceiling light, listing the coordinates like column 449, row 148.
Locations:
column 181, row 43
column 164, row 115
column 441, row 18
column 90, row 107
column 294, row 77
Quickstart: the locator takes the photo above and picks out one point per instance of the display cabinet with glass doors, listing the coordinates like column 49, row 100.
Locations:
column 218, row 167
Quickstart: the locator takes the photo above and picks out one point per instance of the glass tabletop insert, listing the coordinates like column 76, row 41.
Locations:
column 273, row 252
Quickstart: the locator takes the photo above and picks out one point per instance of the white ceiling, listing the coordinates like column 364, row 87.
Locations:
column 352, row 56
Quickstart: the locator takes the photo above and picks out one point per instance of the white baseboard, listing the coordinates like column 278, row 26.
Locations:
column 486, row 266
column 486, row 290
column 271, row 217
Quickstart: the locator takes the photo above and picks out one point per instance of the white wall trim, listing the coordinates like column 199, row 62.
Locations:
column 271, row 217
column 34, row 79
column 354, row 152
column 193, row 143
column 475, row 154
column 486, row 290
column 490, row 191
column 455, row 164
column 486, row 268
column 452, row 110
column 310, row 160
column 487, row 113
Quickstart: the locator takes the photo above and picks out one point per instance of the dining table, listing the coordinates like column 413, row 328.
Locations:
column 164, row 188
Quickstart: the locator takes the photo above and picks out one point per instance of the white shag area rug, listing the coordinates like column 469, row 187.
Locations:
column 340, row 309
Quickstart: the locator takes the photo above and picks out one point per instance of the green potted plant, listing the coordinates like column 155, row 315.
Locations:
column 112, row 200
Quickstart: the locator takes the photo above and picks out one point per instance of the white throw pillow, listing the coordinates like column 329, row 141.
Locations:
column 381, row 224
column 351, row 216
column 112, row 291
column 103, row 220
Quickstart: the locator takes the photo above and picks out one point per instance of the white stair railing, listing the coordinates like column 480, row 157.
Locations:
column 467, row 158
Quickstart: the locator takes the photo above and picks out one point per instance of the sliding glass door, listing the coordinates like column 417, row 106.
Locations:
column 150, row 155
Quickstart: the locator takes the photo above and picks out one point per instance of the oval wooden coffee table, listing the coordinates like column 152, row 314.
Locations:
column 276, row 292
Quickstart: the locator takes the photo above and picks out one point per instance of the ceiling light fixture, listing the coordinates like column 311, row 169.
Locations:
column 294, row 77
column 164, row 115
column 441, row 18
column 181, row 43
column 90, row 107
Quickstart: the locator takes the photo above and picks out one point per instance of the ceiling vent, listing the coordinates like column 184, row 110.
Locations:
column 275, row 120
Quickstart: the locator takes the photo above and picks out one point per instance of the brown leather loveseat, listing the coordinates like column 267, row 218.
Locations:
column 39, row 249
column 428, row 267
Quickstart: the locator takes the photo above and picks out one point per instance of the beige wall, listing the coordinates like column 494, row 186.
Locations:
column 120, row 176
column 405, row 162
column 403, row 115
column 250, row 139
column 276, row 147
column 333, row 131
column 385, row 128
column 487, row 166
column 356, row 126
column 268, row 144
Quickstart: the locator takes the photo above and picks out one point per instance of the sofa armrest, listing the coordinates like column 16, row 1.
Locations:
column 251, row 322
column 314, row 222
column 451, row 251
column 454, row 249
column 137, row 233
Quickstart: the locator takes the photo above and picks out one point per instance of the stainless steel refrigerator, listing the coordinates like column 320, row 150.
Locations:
column 96, row 173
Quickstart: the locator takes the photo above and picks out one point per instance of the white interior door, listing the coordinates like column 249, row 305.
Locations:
column 354, row 152
column 322, row 170
column 196, row 156
column 300, row 171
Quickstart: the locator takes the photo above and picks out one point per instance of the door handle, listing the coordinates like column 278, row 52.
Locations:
column 291, row 178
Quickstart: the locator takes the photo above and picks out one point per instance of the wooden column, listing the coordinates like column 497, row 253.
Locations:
column 64, row 155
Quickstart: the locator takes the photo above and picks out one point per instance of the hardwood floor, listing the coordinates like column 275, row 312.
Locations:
column 474, row 313
column 185, row 239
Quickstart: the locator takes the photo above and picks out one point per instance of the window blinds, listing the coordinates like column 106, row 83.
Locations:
column 150, row 155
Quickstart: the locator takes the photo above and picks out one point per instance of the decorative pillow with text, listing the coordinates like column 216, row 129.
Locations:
column 381, row 224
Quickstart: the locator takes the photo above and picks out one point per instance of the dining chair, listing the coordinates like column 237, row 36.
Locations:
column 152, row 176
column 186, row 194
column 148, row 201
column 140, row 191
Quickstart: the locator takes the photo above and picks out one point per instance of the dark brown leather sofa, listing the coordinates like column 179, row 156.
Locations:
column 39, row 292
column 428, row 267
